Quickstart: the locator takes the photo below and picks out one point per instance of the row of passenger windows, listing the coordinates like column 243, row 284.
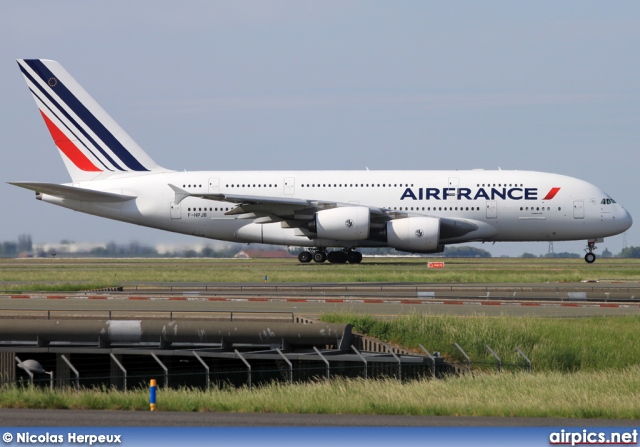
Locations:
column 435, row 208
column 205, row 209
column 368, row 185
column 236, row 186
column 254, row 185
column 355, row 185
column 323, row 185
column 352, row 185
column 537, row 208
column 462, row 208
column 417, row 208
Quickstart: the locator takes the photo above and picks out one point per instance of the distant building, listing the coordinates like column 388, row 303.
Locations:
column 69, row 247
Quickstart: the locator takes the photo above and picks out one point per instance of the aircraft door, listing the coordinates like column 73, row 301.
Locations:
column 175, row 210
column 578, row 209
column 492, row 209
column 214, row 186
column 289, row 186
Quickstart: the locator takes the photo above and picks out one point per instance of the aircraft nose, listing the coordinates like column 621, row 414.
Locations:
column 624, row 220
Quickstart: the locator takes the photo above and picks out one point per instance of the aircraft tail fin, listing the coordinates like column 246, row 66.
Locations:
column 92, row 145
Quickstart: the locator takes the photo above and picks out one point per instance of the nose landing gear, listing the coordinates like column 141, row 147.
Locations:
column 590, row 257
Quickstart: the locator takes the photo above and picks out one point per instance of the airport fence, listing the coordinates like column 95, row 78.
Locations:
column 203, row 370
column 179, row 370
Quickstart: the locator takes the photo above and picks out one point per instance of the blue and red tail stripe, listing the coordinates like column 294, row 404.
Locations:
column 68, row 148
column 51, row 112
column 116, row 147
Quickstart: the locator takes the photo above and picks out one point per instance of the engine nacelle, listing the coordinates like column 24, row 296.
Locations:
column 349, row 223
column 414, row 234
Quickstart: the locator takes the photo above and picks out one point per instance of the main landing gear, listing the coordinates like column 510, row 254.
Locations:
column 334, row 257
column 590, row 257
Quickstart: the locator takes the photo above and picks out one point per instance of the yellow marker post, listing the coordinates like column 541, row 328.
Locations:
column 152, row 395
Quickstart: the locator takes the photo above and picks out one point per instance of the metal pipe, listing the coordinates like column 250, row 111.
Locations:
column 496, row 356
column 525, row 357
column 247, row 364
column 124, row 371
column 324, row 359
column 433, row 360
column 361, row 358
column 166, row 370
column 75, row 371
column 167, row 332
column 399, row 363
column 288, row 363
column 466, row 356
column 206, row 367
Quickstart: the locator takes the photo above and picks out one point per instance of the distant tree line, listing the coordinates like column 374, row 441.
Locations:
column 24, row 247
column 454, row 251
column 11, row 249
column 629, row 252
column 138, row 250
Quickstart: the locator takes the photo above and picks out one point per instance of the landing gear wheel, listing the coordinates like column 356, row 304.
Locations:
column 354, row 257
column 337, row 257
column 590, row 257
column 319, row 256
column 304, row 257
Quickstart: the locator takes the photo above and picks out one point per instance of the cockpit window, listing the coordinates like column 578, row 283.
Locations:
column 607, row 201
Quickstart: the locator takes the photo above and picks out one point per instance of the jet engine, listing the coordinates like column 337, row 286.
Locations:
column 349, row 223
column 414, row 234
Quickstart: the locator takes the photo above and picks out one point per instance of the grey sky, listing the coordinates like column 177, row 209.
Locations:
column 540, row 85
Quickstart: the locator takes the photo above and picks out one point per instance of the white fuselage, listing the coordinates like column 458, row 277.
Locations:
column 504, row 205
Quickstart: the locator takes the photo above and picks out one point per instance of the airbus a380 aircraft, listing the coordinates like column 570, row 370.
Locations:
column 411, row 211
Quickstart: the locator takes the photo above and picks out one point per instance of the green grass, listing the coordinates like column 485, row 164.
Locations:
column 586, row 367
column 552, row 344
column 594, row 394
column 583, row 368
column 83, row 274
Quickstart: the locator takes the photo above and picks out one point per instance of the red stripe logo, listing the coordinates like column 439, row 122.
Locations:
column 68, row 148
column 551, row 194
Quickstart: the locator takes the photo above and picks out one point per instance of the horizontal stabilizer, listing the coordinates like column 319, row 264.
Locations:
column 72, row 192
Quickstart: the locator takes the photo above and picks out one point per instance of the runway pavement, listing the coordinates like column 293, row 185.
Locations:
column 98, row 418
column 199, row 299
column 311, row 300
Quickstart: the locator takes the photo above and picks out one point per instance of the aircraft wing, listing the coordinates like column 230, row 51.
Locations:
column 282, row 207
column 297, row 212
column 72, row 192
